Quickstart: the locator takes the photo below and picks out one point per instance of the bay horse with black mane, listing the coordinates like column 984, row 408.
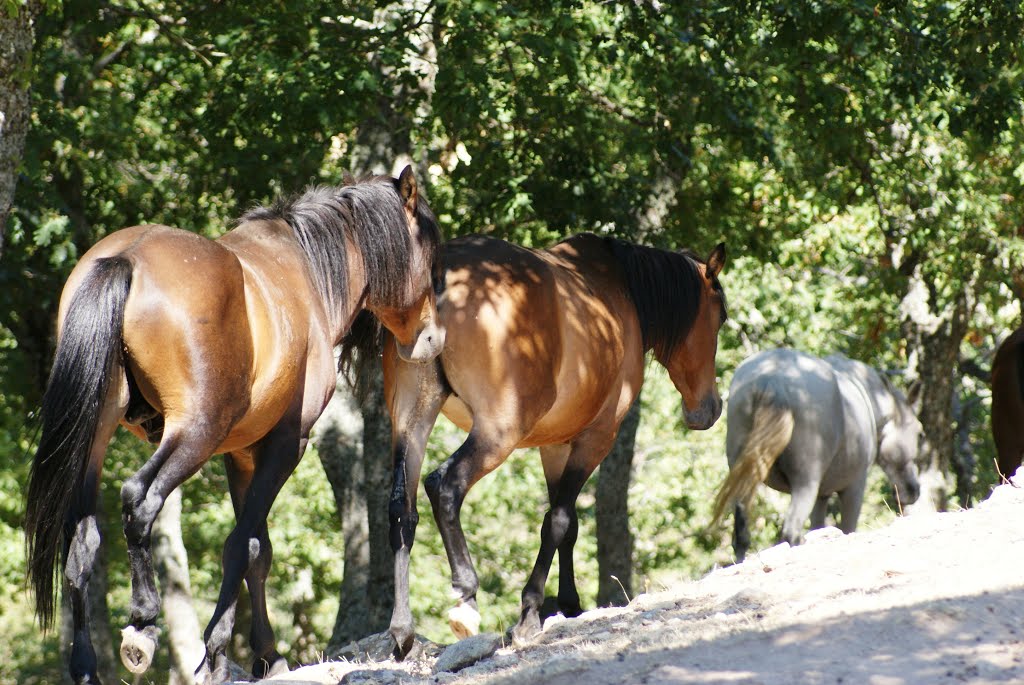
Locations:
column 207, row 347
column 1008, row 404
column 544, row 348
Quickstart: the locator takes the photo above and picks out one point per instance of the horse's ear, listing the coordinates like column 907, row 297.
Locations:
column 716, row 261
column 407, row 189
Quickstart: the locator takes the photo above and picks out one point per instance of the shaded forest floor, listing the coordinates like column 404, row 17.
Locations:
column 929, row 599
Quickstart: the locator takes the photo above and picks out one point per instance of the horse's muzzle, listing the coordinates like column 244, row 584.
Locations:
column 705, row 415
column 426, row 346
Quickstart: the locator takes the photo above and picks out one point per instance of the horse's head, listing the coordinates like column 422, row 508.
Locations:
column 691, row 364
column 897, row 452
column 414, row 322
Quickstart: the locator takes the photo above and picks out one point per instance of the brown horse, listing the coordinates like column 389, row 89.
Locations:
column 211, row 347
column 1008, row 403
column 545, row 348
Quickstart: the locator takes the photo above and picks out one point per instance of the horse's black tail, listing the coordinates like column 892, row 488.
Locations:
column 90, row 345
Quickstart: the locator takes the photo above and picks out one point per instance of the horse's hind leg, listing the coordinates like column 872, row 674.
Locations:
column 557, row 527
column 804, row 495
column 446, row 488
column 267, row 660
column 740, row 534
column 181, row 453
column 554, row 458
column 83, row 547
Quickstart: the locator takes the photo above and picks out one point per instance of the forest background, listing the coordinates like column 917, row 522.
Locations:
column 862, row 161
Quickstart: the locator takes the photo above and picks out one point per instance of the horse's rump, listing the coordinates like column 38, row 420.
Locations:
column 770, row 432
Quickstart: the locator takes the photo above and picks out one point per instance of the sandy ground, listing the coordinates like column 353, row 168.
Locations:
column 930, row 599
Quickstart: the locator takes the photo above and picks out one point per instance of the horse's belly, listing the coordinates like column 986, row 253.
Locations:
column 456, row 411
column 550, row 430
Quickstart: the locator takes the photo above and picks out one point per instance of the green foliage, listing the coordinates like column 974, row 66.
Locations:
column 838, row 148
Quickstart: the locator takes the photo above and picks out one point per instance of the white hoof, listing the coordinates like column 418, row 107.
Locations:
column 137, row 650
column 464, row 620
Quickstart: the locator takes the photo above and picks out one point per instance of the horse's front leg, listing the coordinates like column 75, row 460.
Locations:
column 245, row 550
column 850, row 501
column 267, row 660
column 182, row 451
column 416, row 393
column 446, row 488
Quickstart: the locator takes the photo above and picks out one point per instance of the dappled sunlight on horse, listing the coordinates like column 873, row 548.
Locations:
column 812, row 427
column 544, row 348
column 211, row 347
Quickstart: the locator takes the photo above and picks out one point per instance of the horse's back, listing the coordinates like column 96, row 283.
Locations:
column 526, row 326
column 1008, row 403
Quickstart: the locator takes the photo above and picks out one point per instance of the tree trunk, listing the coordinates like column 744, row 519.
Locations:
column 354, row 448
column 171, row 561
column 614, row 539
column 933, row 339
column 339, row 445
column 16, row 37
column 356, row 453
column 377, row 490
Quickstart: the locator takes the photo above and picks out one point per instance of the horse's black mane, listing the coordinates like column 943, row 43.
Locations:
column 665, row 288
column 370, row 212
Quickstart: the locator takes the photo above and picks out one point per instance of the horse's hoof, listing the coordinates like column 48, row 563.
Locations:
column 273, row 665
column 464, row 620
column 203, row 675
column 526, row 631
column 137, row 648
column 404, row 641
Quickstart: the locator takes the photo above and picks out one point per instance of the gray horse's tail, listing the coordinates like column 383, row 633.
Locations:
column 770, row 433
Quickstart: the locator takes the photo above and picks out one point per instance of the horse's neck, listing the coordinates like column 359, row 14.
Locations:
column 342, row 319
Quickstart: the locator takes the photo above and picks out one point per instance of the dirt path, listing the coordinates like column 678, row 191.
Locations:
column 931, row 599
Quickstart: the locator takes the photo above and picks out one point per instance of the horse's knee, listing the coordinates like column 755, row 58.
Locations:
column 560, row 523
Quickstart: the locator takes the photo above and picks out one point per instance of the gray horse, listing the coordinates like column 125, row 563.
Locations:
column 812, row 427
